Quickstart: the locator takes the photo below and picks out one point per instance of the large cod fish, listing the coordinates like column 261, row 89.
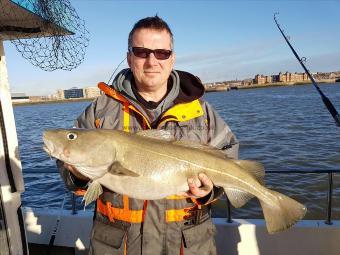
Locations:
column 152, row 165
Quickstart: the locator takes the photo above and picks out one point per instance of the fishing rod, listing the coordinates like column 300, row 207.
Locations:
column 115, row 70
column 325, row 99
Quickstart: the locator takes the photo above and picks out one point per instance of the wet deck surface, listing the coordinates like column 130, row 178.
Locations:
column 41, row 249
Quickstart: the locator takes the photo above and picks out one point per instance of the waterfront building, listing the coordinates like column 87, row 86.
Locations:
column 73, row 93
column 292, row 77
column 60, row 94
column 19, row 97
column 91, row 92
column 247, row 82
column 261, row 79
column 286, row 77
column 37, row 98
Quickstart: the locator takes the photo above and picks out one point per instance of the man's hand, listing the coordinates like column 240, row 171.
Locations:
column 75, row 172
column 198, row 187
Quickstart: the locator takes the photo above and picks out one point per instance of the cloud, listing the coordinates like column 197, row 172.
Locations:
column 247, row 60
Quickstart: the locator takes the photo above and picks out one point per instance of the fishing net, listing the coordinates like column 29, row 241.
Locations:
column 50, row 35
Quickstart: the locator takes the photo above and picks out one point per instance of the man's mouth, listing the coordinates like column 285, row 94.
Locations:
column 151, row 72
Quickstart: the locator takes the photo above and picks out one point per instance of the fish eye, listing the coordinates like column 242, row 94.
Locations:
column 71, row 136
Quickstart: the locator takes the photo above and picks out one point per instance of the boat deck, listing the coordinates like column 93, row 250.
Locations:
column 241, row 237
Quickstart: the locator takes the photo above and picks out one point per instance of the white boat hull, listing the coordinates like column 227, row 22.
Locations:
column 242, row 237
column 12, row 234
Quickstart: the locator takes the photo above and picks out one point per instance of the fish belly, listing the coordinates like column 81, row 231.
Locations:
column 143, row 188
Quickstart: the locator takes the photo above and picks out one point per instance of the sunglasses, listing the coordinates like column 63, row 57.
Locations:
column 141, row 52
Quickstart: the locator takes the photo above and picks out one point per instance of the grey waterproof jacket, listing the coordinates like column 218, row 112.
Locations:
column 124, row 225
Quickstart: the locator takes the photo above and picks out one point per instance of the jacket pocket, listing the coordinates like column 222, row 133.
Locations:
column 107, row 238
column 199, row 239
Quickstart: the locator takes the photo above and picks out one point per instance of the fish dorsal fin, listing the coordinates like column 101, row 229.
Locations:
column 254, row 168
column 156, row 134
column 203, row 147
column 117, row 169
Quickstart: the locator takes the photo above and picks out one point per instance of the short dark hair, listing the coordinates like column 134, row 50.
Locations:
column 155, row 23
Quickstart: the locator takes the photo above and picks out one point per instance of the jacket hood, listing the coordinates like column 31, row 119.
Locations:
column 191, row 87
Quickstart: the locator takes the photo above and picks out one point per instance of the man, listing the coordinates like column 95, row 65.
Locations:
column 151, row 95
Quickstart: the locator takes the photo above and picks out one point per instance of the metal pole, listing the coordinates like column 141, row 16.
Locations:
column 329, row 199
column 229, row 220
column 74, row 209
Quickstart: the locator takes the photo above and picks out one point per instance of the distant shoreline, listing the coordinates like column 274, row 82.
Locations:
column 267, row 85
column 283, row 84
column 53, row 101
column 258, row 86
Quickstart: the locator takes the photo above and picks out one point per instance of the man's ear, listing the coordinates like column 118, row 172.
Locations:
column 173, row 59
column 128, row 57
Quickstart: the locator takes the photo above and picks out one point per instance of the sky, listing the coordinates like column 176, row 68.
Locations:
column 215, row 40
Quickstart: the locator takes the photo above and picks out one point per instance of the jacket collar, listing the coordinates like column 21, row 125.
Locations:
column 180, row 112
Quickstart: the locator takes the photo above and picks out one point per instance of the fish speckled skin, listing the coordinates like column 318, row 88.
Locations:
column 150, row 165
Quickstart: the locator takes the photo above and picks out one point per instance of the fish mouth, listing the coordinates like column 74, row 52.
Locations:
column 48, row 147
column 48, row 151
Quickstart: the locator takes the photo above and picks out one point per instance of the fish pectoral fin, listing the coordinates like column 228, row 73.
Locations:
column 117, row 169
column 237, row 198
column 94, row 190
column 254, row 168
column 156, row 134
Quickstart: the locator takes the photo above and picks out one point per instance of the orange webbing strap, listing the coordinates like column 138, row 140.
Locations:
column 107, row 209
column 97, row 123
column 111, row 92
column 114, row 94
column 79, row 192
column 126, row 205
column 125, row 244
column 144, row 209
column 137, row 216
column 181, row 251
column 196, row 202
column 178, row 214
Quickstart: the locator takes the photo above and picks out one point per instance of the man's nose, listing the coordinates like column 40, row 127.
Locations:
column 151, row 59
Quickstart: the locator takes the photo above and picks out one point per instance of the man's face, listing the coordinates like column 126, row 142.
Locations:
column 151, row 73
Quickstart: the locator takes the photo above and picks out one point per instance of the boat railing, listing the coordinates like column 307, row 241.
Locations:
column 330, row 174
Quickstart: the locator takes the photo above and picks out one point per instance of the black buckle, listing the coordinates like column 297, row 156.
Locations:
column 229, row 146
column 198, row 216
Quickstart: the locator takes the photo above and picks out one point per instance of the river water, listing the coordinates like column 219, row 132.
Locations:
column 285, row 128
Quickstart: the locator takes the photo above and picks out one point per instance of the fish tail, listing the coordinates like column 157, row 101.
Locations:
column 93, row 191
column 283, row 213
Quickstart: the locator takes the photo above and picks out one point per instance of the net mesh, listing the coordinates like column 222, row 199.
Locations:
column 56, row 40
